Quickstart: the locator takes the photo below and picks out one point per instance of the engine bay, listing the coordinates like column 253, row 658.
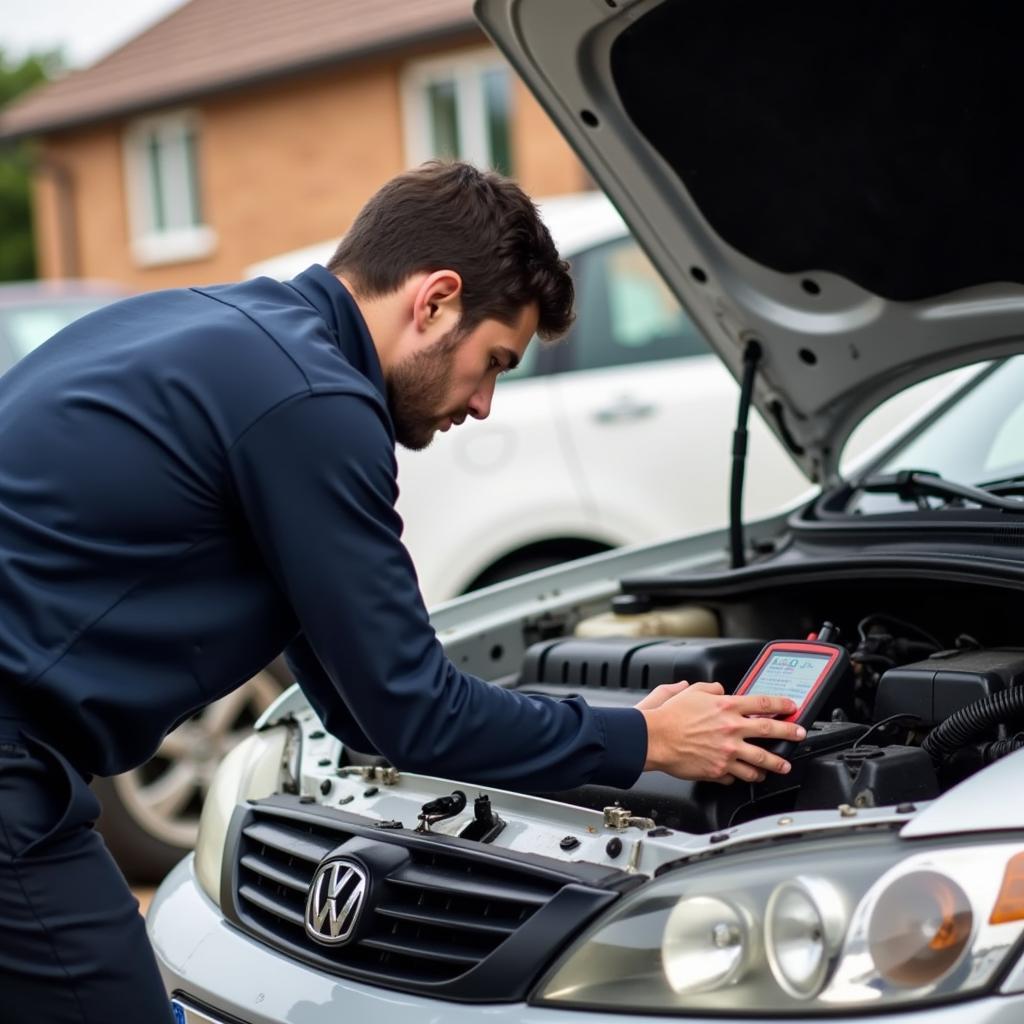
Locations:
column 930, row 696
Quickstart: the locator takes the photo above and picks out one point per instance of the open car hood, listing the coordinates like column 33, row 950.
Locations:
column 840, row 182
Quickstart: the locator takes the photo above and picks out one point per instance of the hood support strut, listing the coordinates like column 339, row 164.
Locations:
column 751, row 357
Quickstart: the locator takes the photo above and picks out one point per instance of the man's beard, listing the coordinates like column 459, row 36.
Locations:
column 417, row 389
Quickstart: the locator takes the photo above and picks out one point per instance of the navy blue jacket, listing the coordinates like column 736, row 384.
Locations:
column 192, row 481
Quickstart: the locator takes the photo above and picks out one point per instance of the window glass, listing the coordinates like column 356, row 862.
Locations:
column 977, row 440
column 625, row 311
column 164, row 189
column 460, row 108
column 527, row 365
column 497, row 105
column 168, row 170
column 444, row 119
column 192, row 166
column 28, row 327
column 157, row 202
column 1007, row 449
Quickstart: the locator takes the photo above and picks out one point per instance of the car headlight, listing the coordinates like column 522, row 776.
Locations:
column 804, row 923
column 253, row 769
column 861, row 921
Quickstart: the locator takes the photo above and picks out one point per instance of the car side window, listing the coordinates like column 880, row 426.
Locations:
column 30, row 326
column 529, row 364
column 625, row 312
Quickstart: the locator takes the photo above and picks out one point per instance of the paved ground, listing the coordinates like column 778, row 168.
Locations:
column 143, row 894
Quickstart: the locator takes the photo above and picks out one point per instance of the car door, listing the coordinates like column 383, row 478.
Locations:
column 487, row 489
column 650, row 412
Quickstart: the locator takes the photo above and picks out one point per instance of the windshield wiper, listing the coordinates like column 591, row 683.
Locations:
column 917, row 484
column 1004, row 485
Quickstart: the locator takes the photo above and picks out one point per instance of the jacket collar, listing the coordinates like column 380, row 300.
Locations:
column 333, row 301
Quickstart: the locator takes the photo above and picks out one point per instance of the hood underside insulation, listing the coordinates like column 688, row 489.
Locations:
column 878, row 141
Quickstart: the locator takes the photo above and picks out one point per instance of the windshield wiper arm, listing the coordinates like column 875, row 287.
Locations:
column 914, row 484
column 1005, row 485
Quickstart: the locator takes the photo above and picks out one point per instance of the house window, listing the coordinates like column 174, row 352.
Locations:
column 164, row 194
column 460, row 107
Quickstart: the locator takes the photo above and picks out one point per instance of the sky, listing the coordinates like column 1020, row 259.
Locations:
column 85, row 29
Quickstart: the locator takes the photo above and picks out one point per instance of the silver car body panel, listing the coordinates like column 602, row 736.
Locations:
column 537, row 826
column 562, row 52
column 981, row 803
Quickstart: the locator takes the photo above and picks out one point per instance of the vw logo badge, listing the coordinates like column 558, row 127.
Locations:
column 335, row 901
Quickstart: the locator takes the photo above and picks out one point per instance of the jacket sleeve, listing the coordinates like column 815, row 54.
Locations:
column 316, row 478
column 323, row 695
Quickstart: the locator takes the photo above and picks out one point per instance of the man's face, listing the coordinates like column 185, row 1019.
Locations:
column 440, row 385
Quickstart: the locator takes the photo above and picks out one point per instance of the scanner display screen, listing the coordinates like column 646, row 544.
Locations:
column 789, row 674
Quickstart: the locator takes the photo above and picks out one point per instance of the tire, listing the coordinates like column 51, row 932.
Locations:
column 150, row 815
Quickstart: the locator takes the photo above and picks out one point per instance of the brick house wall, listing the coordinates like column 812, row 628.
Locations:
column 281, row 165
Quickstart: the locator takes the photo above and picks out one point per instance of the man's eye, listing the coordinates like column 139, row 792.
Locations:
column 495, row 364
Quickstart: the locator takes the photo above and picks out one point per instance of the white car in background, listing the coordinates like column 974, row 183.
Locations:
column 572, row 459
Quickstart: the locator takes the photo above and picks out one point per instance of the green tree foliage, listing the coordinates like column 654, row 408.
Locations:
column 17, row 249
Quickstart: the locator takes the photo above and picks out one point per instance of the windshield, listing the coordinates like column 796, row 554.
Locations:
column 978, row 440
column 27, row 327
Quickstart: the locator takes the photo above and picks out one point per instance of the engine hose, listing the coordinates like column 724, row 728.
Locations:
column 999, row 748
column 972, row 721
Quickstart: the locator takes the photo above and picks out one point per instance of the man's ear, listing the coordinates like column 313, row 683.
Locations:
column 437, row 303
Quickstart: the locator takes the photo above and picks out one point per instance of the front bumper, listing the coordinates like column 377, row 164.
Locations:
column 211, row 965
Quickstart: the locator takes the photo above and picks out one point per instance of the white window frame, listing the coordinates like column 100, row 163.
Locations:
column 466, row 69
column 151, row 246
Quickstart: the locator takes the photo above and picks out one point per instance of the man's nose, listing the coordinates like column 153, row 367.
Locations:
column 480, row 404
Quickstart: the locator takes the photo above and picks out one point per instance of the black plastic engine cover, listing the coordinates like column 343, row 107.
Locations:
column 868, row 776
column 634, row 663
column 939, row 686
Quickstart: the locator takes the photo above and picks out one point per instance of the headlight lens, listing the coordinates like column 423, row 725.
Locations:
column 858, row 921
column 706, row 944
column 804, row 923
column 251, row 770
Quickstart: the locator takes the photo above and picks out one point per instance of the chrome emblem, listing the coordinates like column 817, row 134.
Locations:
column 335, row 902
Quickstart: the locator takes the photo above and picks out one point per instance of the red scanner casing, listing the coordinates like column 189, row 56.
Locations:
column 830, row 673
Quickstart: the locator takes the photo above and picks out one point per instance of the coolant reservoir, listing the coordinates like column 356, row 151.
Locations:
column 635, row 617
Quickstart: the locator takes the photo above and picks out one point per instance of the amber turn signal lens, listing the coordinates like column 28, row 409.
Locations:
column 919, row 928
column 1010, row 901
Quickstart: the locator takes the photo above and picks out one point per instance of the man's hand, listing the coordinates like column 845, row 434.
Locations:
column 696, row 732
column 660, row 694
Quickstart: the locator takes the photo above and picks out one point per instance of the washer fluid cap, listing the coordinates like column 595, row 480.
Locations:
column 631, row 604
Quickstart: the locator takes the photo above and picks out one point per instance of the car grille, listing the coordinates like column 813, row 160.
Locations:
column 447, row 917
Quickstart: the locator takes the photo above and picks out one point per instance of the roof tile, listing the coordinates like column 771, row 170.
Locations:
column 207, row 45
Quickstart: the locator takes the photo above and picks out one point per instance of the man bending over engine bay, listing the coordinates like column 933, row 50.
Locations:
column 192, row 481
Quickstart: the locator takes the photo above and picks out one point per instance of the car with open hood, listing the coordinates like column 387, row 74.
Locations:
column 831, row 193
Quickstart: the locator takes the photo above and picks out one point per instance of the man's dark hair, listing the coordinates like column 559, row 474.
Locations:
column 451, row 216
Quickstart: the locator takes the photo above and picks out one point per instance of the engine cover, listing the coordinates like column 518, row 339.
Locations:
column 939, row 686
column 606, row 665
